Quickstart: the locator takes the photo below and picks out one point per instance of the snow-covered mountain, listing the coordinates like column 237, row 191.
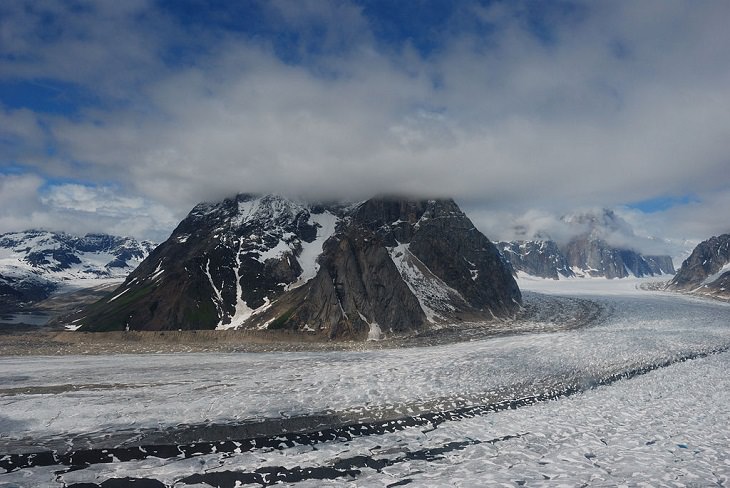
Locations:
column 33, row 263
column 707, row 270
column 382, row 266
column 600, row 247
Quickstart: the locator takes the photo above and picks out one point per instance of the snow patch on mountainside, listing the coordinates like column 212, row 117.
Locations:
column 433, row 294
column 246, row 211
column 276, row 252
column 242, row 311
column 326, row 223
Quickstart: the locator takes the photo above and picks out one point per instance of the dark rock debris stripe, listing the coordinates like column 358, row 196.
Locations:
column 271, row 475
column 86, row 457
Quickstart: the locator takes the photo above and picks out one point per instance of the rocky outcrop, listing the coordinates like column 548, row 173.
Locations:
column 707, row 270
column 358, row 292
column 594, row 257
column 438, row 238
column 385, row 266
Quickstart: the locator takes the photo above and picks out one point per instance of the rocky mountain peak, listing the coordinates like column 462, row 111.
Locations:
column 338, row 270
column 707, row 269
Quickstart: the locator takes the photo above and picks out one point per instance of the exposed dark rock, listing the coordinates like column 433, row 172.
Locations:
column 596, row 258
column 440, row 236
column 357, row 285
column 660, row 265
column 53, row 259
column 706, row 271
column 537, row 258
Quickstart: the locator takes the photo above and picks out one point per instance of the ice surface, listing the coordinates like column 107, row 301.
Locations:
column 595, row 286
column 660, row 429
column 665, row 427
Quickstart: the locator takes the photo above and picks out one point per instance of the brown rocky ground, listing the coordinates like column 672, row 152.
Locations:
column 541, row 313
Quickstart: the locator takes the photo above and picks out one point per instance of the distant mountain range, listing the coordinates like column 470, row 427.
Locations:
column 590, row 253
column 380, row 267
column 707, row 270
column 34, row 263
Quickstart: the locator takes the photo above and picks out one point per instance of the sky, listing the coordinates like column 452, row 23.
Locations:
column 121, row 116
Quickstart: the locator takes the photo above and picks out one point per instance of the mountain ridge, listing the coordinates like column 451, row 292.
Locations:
column 599, row 247
column 34, row 263
column 350, row 271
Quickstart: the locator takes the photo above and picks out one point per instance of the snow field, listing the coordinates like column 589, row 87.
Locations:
column 660, row 429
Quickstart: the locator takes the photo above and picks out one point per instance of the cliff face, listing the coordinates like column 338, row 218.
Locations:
column 596, row 258
column 436, row 238
column 598, row 248
column 582, row 256
column 707, row 270
column 380, row 267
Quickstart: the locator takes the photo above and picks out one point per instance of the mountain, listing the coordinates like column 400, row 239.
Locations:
column 602, row 248
column 595, row 257
column 34, row 263
column 383, row 266
column 537, row 258
column 707, row 270
column 589, row 253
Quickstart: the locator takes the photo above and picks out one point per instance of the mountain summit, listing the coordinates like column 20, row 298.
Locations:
column 383, row 266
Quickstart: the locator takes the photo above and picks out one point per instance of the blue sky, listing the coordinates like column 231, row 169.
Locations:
column 120, row 116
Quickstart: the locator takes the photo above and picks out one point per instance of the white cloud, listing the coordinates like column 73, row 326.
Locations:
column 99, row 200
column 627, row 101
column 18, row 200
column 27, row 203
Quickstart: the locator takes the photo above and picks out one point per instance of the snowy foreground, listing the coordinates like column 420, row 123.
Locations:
column 639, row 397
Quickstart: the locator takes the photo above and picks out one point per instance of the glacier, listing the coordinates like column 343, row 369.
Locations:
column 634, row 397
